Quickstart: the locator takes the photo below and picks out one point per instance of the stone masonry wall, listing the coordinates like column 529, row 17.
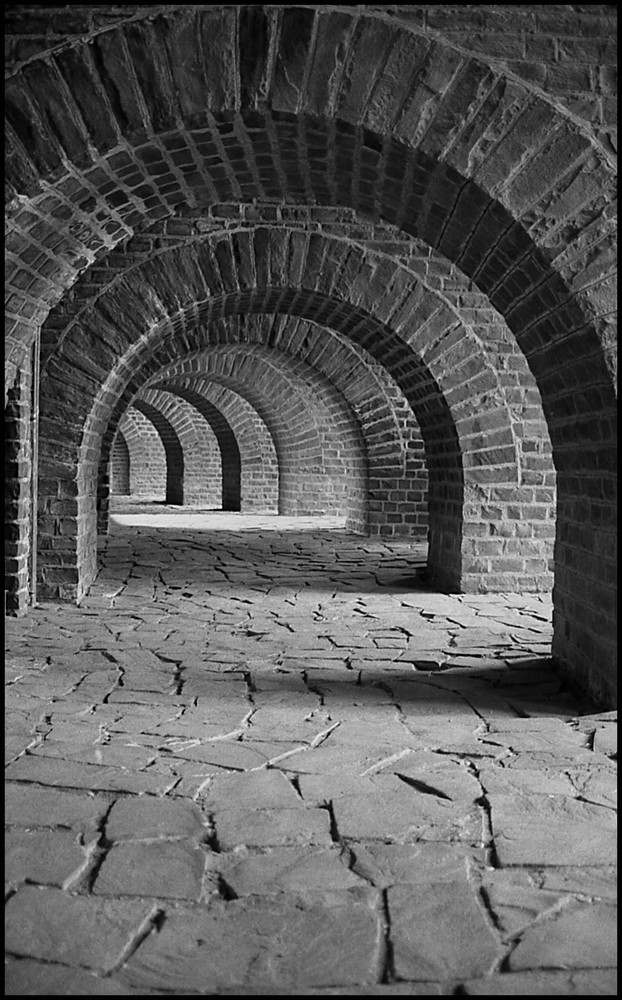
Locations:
column 17, row 491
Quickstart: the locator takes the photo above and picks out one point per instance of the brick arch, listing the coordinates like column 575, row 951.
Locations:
column 470, row 410
column 321, row 452
column 352, row 95
column 256, row 452
column 542, row 49
column 174, row 493
column 493, row 175
column 202, row 458
column 397, row 475
column 447, row 292
column 230, row 462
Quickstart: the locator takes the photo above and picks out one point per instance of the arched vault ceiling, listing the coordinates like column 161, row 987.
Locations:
column 548, row 50
column 370, row 392
column 308, row 104
column 479, row 368
column 379, row 243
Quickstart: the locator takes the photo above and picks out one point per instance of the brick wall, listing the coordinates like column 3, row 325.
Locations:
column 147, row 456
column 120, row 467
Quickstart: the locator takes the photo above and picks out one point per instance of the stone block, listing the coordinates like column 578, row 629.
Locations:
column 439, row 932
column 31, row 805
column 50, row 925
column 272, row 827
column 595, row 982
column 225, row 945
column 70, row 774
column 552, row 830
column 166, row 870
column 404, row 817
column 147, row 818
column 27, row 977
column 43, row 856
column 582, row 936
column 257, row 790
column 289, row 869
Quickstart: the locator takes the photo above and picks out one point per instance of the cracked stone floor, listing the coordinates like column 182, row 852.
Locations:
column 262, row 757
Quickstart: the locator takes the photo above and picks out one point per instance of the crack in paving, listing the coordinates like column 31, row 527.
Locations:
column 385, row 969
column 153, row 922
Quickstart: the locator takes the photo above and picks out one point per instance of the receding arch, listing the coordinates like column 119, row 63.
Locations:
column 332, row 288
column 394, row 446
column 256, row 456
column 322, row 460
column 172, row 447
column 529, row 235
column 227, row 443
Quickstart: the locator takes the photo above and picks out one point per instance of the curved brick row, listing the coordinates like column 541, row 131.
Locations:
column 395, row 454
column 569, row 56
column 314, row 65
column 203, row 475
column 329, row 275
column 248, row 454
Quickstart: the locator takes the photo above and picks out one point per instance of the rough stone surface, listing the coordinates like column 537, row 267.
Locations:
column 226, row 944
column 73, row 930
column 439, row 932
column 287, row 804
column 44, row 857
column 167, row 870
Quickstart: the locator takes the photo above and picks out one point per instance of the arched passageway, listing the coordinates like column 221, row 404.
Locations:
column 382, row 114
column 351, row 730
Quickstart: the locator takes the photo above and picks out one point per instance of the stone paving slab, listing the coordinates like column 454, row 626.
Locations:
column 556, row 830
column 598, row 882
column 404, row 819
column 45, row 857
column 384, row 865
column 29, row 978
column 275, row 941
column 582, row 935
column 82, row 931
column 272, row 827
column 596, row 982
column 303, row 757
column 440, row 931
column 31, row 805
column 289, row 869
column 162, row 870
column 146, row 818
column 69, row 774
